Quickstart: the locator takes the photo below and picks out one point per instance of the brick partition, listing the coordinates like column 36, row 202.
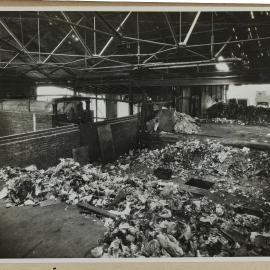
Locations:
column 21, row 122
column 43, row 148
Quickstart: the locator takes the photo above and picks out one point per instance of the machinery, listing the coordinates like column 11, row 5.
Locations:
column 73, row 109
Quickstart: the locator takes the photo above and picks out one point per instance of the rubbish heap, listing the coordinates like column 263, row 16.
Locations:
column 172, row 121
column 184, row 123
column 150, row 217
column 246, row 114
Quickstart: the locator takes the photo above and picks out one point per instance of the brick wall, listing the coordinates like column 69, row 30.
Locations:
column 43, row 148
column 21, row 122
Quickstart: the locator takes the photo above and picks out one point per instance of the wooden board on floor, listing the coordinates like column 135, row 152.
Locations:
column 106, row 142
column 194, row 190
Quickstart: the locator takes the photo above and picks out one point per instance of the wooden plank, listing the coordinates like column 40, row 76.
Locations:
column 49, row 202
column 96, row 210
column 194, row 190
column 106, row 142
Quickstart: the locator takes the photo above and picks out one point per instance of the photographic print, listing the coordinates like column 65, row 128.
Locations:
column 134, row 134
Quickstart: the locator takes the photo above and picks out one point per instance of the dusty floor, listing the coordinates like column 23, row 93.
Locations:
column 55, row 231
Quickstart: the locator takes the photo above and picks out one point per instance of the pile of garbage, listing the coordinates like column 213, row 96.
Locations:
column 150, row 217
column 184, row 123
column 172, row 121
column 245, row 114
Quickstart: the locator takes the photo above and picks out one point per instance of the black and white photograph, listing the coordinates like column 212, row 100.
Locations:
column 134, row 134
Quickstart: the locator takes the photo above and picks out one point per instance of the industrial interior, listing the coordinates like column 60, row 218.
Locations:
column 147, row 156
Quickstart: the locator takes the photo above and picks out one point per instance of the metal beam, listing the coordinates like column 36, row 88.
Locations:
column 148, row 41
column 171, row 29
column 112, row 38
column 108, row 26
column 74, row 29
column 223, row 47
column 105, row 33
column 74, row 24
column 196, row 53
column 222, row 80
column 165, row 65
column 23, row 48
column 153, row 55
column 60, row 43
column 191, row 28
column 16, row 55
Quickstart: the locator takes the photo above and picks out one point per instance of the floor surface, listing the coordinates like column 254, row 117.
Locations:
column 56, row 231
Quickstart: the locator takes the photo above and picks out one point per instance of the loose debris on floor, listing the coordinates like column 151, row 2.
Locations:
column 149, row 217
column 224, row 120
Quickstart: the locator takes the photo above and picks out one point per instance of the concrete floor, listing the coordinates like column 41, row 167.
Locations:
column 55, row 231
column 237, row 132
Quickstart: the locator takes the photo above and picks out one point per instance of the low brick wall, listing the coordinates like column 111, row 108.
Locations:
column 43, row 148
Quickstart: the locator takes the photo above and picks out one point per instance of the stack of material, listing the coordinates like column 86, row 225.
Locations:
column 169, row 121
column 150, row 217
